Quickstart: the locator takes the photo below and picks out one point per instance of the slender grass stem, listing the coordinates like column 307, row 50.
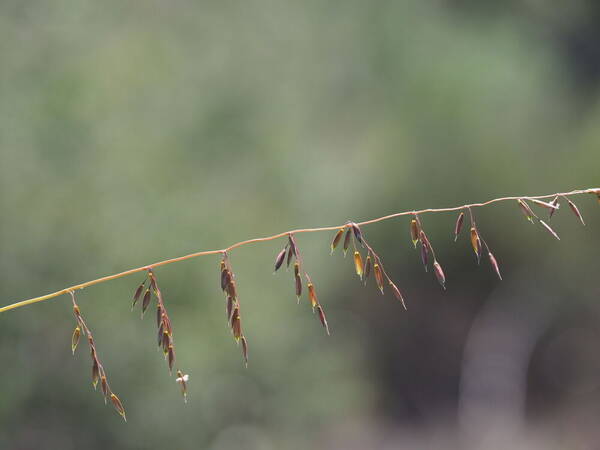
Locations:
column 276, row 236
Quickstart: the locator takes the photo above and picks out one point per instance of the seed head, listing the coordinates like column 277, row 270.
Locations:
column 145, row 301
column 424, row 252
column 494, row 264
column 312, row 296
column 75, row 338
column 229, row 307
column 459, row 224
column 104, row 387
column 414, row 232
column 529, row 214
column 118, row 406
column 439, row 273
column 137, row 294
column 347, row 240
column 322, row 318
column 358, row 264
column 171, row 357
column 236, row 324
column 166, row 341
column 476, row 243
column 290, row 255
column 367, row 267
column 245, row 350
column 575, row 211
column 397, row 293
column 378, row 276
column 357, row 233
column 298, row 285
column 95, row 371
column 280, row 258
column 231, row 288
column 550, row 230
column 336, row 239
column 225, row 278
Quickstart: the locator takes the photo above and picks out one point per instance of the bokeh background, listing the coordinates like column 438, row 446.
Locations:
column 131, row 132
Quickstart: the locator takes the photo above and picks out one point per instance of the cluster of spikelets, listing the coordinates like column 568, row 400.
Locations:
column 366, row 262
column 293, row 254
column 354, row 235
column 232, row 304
column 98, row 372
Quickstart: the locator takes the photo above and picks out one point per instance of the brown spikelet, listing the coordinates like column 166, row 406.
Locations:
column 439, row 273
column 137, row 294
column 236, row 324
column 118, row 406
column 424, row 254
column 312, row 296
column 280, row 258
column 459, row 224
column 336, row 239
column 95, row 371
column 231, row 288
column 290, row 255
column 322, row 318
column 292, row 244
column 167, row 322
column 229, row 307
column 104, row 387
column 397, row 293
column 234, row 316
column 245, row 350
column 367, row 268
column 414, row 232
column 171, row 357
column 298, row 286
column 550, row 206
column 347, row 240
column 225, row 279
column 159, row 314
column 529, row 214
column 476, row 243
column 161, row 331
column 75, row 338
column 550, row 230
column 575, row 211
column 153, row 284
column 425, row 240
column 378, row 276
column 357, row 233
column 166, row 341
column 358, row 264
column 146, row 301
column 494, row 264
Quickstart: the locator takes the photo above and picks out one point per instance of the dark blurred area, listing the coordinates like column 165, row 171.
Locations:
column 132, row 132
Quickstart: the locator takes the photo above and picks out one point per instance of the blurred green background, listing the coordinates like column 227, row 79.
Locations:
column 132, row 132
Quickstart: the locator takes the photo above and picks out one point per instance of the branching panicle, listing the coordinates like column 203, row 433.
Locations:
column 365, row 261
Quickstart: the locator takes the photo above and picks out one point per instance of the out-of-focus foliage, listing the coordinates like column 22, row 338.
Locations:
column 135, row 131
